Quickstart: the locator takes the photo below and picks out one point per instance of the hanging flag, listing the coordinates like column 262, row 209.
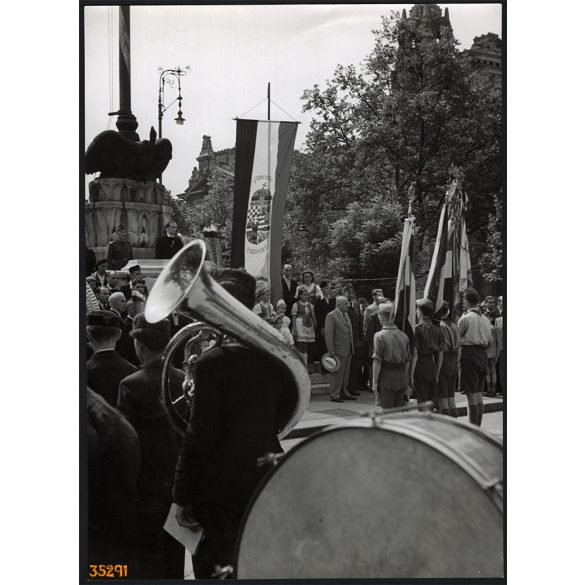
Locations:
column 405, row 296
column 264, row 151
column 450, row 272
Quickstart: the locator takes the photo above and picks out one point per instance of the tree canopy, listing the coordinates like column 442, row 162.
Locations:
column 404, row 115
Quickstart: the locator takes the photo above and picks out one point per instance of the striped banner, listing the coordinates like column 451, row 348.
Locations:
column 264, row 151
column 450, row 272
column 405, row 296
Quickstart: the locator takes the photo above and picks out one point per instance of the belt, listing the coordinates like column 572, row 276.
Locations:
column 392, row 366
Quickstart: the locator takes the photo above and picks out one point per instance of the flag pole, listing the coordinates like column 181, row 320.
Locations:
column 269, row 100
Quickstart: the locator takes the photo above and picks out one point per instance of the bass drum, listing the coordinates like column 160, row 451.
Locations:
column 409, row 495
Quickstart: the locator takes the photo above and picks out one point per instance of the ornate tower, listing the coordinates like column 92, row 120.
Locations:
column 424, row 22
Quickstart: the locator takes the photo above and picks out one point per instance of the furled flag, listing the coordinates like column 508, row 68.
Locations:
column 450, row 272
column 264, row 151
column 405, row 296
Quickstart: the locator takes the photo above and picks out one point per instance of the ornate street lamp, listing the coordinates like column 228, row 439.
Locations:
column 170, row 77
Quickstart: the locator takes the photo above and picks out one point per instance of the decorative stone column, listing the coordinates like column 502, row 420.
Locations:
column 136, row 204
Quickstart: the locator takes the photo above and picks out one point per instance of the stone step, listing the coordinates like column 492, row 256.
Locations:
column 319, row 383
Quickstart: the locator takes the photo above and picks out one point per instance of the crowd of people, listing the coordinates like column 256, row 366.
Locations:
column 371, row 354
column 139, row 464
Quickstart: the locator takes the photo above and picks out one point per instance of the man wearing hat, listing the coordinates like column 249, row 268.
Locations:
column 139, row 400
column 120, row 250
column 243, row 399
column 391, row 368
column 167, row 245
column 428, row 355
column 339, row 340
column 476, row 333
column 323, row 307
column 106, row 368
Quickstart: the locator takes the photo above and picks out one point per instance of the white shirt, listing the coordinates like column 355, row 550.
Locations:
column 475, row 328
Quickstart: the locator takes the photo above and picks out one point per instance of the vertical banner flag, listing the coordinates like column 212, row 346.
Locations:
column 264, row 151
column 405, row 296
column 450, row 272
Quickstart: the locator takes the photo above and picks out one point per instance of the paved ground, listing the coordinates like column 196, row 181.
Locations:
column 323, row 412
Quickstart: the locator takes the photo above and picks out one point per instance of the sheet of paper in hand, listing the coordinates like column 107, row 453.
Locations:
column 188, row 537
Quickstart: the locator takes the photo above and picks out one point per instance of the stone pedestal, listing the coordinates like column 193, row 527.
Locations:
column 136, row 204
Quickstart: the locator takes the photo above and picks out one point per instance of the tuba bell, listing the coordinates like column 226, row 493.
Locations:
column 185, row 286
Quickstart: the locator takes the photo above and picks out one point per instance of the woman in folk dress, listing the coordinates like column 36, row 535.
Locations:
column 303, row 318
column 313, row 290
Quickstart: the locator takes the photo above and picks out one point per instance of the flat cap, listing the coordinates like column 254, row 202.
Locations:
column 103, row 318
column 425, row 303
column 142, row 328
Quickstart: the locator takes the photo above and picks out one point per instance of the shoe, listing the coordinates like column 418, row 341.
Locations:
column 347, row 397
column 336, row 400
column 490, row 394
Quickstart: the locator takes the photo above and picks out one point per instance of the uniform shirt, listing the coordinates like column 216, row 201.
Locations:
column 370, row 310
column 475, row 328
column 428, row 338
column 451, row 337
column 118, row 254
column 391, row 346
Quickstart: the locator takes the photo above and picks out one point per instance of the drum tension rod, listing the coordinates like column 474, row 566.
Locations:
column 269, row 459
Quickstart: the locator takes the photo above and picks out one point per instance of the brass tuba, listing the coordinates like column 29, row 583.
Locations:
column 184, row 286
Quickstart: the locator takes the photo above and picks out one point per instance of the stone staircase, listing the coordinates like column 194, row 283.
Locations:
column 319, row 381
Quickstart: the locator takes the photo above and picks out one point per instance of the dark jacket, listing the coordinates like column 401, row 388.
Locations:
column 373, row 325
column 105, row 370
column 357, row 326
column 166, row 247
column 288, row 295
column 127, row 290
column 113, row 464
column 240, row 403
column 90, row 261
column 125, row 345
column 322, row 308
column 139, row 400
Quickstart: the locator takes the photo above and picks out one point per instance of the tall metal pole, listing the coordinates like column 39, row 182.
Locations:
column 269, row 100
column 126, row 122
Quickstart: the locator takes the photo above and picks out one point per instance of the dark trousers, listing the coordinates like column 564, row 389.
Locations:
column 425, row 384
column 160, row 556
column 221, row 523
column 355, row 369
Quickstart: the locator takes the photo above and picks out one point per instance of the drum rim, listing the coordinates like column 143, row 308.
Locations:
column 491, row 491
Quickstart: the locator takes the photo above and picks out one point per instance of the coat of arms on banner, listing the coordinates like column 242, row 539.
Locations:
column 258, row 220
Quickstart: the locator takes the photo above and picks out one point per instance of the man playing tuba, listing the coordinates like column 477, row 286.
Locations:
column 241, row 399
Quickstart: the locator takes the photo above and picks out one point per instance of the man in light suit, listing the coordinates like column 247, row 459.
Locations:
column 339, row 340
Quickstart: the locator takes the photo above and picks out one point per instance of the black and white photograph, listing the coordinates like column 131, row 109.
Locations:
column 293, row 344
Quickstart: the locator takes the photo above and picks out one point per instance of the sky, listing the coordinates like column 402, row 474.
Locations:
column 233, row 52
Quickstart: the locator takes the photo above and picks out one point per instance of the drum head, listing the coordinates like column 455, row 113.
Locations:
column 375, row 502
